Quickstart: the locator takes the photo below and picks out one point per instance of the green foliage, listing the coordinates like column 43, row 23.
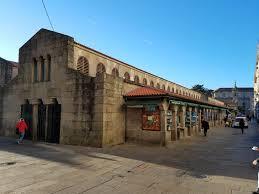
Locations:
column 200, row 88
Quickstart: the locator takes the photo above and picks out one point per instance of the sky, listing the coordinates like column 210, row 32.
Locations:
column 210, row 42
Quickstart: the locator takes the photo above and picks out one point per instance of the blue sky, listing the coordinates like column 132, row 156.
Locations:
column 210, row 42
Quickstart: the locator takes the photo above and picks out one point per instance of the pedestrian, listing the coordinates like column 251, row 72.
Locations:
column 242, row 125
column 22, row 127
column 225, row 121
column 254, row 163
column 205, row 126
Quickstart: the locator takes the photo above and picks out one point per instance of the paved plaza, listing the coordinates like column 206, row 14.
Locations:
column 218, row 164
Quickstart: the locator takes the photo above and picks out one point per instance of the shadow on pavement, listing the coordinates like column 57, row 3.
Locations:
column 222, row 153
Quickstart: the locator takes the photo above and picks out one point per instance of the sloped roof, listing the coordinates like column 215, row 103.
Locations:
column 154, row 92
column 146, row 91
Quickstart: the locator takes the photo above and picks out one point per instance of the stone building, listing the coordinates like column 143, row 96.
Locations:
column 71, row 94
column 241, row 99
column 256, row 85
column 8, row 70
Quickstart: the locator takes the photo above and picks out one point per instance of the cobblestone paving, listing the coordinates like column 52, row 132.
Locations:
column 218, row 164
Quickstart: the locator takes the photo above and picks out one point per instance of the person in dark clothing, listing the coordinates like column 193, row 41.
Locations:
column 242, row 125
column 205, row 126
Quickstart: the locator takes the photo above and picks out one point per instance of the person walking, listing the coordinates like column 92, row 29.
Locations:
column 22, row 127
column 205, row 126
column 242, row 125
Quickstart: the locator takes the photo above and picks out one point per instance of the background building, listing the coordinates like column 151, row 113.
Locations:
column 240, row 99
column 8, row 70
column 256, row 85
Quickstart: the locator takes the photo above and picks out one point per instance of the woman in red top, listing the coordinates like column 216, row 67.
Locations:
column 21, row 126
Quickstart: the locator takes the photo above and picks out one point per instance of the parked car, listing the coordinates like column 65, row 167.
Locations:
column 237, row 120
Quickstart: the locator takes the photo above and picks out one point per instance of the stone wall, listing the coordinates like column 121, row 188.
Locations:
column 109, row 113
column 1, row 107
column 109, row 116
column 77, row 110
column 135, row 133
column 11, row 100
column 94, row 58
column 22, row 87
column 6, row 71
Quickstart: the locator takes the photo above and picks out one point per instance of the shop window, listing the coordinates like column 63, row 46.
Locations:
column 83, row 65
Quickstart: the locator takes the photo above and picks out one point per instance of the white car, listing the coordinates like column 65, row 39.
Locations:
column 237, row 120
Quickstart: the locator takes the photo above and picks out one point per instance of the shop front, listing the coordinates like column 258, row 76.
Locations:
column 164, row 118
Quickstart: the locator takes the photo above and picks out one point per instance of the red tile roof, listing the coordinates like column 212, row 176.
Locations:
column 146, row 91
column 149, row 91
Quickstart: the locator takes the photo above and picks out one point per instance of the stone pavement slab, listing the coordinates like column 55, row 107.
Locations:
column 218, row 164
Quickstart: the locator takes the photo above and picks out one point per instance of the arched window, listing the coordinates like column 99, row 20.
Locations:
column 127, row 76
column 136, row 79
column 168, row 88
column 83, row 65
column 151, row 83
column 145, row 81
column 183, row 92
column 163, row 87
column 172, row 89
column 35, row 70
column 176, row 91
column 115, row 72
column 48, row 71
column 42, row 69
column 158, row 86
column 100, row 68
column 180, row 92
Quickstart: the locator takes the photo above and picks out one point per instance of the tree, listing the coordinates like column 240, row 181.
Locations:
column 201, row 89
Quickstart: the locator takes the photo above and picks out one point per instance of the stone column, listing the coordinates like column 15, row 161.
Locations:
column 218, row 121
column 196, row 119
column 190, row 129
column 182, row 119
column 208, row 117
column 174, row 135
column 212, row 117
column 199, row 122
column 165, row 134
column 35, row 108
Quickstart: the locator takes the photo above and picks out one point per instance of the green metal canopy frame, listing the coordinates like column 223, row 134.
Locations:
column 176, row 102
